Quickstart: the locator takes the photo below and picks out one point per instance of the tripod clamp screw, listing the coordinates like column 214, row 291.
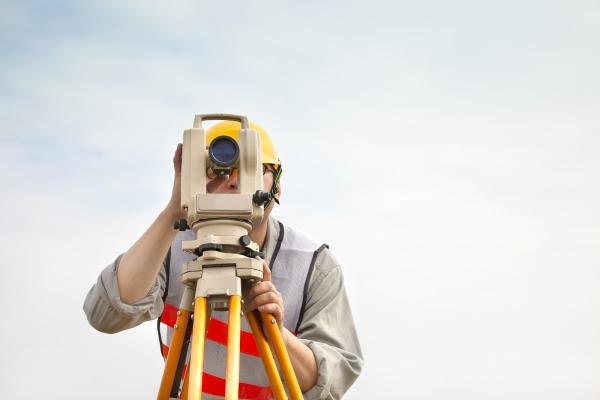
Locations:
column 182, row 225
column 208, row 247
column 253, row 254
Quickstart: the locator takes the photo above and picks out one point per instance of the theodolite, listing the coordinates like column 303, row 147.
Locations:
column 226, row 262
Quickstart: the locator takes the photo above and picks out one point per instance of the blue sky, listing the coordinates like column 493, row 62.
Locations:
column 448, row 153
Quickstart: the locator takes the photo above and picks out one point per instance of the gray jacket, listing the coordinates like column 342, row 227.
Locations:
column 327, row 326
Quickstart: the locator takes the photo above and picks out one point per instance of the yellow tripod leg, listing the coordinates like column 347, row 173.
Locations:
column 232, row 373
column 266, row 356
column 197, row 358
column 183, row 316
column 285, row 364
column 186, row 385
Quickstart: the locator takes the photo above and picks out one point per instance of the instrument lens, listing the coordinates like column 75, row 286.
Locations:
column 224, row 151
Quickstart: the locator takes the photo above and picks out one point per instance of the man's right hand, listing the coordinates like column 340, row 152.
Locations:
column 174, row 205
column 140, row 265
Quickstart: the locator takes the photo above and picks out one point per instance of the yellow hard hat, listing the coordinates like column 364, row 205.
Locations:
column 232, row 129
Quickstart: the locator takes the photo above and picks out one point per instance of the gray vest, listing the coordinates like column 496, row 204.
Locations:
column 291, row 267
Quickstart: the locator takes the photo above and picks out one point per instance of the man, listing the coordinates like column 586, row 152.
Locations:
column 302, row 287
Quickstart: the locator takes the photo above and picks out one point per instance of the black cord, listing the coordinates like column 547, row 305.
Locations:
column 275, row 187
column 164, row 298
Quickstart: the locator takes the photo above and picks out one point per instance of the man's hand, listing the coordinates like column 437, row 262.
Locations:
column 265, row 297
column 140, row 265
column 174, row 206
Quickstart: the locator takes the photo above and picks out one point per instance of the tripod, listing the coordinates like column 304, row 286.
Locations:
column 214, row 282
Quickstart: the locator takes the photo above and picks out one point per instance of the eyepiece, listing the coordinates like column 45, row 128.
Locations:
column 224, row 151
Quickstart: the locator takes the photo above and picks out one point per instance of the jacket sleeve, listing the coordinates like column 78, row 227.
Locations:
column 106, row 311
column 327, row 328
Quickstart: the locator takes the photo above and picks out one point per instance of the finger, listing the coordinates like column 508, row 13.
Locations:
column 177, row 158
column 266, row 298
column 260, row 288
column 266, row 270
column 272, row 309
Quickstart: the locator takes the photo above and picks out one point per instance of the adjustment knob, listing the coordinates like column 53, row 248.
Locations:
column 245, row 240
column 261, row 198
column 182, row 225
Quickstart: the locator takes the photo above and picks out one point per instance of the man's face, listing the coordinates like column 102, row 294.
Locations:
column 229, row 183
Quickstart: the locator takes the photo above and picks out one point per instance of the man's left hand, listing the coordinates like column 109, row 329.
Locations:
column 265, row 297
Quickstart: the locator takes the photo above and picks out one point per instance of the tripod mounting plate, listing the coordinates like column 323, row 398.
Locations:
column 244, row 267
column 228, row 241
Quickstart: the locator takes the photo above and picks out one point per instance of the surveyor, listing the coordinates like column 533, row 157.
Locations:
column 302, row 288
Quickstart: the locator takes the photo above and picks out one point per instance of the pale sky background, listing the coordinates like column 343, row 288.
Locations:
column 447, row 151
